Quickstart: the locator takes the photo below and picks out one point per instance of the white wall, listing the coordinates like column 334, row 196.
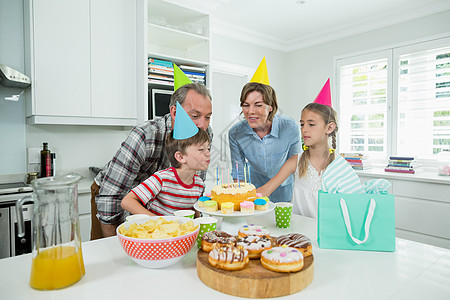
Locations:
column 309, row 68
column 78, row 147
column 299, row 75
column 12, row 114
column 249, row 55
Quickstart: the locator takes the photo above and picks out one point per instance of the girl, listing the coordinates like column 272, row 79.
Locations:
column 318, row 167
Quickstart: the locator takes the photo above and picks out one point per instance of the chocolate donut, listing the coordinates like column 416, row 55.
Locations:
column 255, row 245
column 216, row 237
column 297, row 241
column 228, row 257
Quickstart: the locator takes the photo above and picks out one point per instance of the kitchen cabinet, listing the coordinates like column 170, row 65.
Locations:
column 85, row 59
column 422, row 205
column 84, row 213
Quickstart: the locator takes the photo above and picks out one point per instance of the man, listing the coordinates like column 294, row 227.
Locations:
column 141, row 155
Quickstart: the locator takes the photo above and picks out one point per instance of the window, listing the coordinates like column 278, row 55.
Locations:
column 396, row 101
column 363, row 107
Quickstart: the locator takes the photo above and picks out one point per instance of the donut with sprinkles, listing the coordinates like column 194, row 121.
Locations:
column 282, row 259
column 252, row 229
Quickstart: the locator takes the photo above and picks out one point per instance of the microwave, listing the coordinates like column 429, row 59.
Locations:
column 159, row 101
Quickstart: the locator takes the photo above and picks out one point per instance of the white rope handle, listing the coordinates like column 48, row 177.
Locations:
column 369, row 217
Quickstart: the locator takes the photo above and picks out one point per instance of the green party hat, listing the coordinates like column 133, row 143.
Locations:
column 179, row 77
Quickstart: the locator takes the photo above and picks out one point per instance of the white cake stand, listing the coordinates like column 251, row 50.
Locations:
column 232, row 222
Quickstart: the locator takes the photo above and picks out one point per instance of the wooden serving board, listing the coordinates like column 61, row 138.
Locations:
column 254, row 281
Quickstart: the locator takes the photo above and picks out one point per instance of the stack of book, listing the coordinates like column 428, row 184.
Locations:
column 160, row 71
column 357, row 161
column 195, row 74
column 400, row 164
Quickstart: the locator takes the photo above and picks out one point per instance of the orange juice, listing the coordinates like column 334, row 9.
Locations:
column 56, row 268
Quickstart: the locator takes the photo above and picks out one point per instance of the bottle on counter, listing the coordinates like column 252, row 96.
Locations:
column 46, row 162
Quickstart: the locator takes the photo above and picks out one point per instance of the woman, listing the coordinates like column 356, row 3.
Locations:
column 264, row 139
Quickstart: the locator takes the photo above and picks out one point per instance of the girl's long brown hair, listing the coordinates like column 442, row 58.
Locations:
column 328, row 115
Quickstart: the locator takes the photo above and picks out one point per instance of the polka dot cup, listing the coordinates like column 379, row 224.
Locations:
column 158, row 253
column 283, row 213
column 206, row 224
column 184, row 213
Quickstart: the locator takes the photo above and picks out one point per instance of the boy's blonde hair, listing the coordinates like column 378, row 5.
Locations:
column 328, row 115
column 172, row 145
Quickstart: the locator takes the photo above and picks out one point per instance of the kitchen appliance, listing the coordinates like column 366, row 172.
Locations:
column 159, row 101
column 10, row 243
column 57, row 241
column 13, row 78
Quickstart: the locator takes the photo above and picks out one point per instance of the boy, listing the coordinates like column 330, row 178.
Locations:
column 177, row 187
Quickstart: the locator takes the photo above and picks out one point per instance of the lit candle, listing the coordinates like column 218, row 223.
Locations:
column 237, row 171
column 217, row 175
column 249, row 179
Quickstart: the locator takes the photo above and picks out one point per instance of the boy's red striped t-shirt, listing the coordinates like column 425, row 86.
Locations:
column 163, row 193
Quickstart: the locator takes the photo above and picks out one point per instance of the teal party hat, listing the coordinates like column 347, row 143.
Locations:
column 184, row 127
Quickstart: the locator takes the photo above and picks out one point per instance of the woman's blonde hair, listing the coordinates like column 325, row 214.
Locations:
column 328, row 115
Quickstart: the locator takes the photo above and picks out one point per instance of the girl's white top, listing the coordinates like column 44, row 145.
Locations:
column 338, row 177
column 305, row 192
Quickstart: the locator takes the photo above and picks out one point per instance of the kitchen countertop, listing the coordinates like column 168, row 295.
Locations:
column 414, row 271
column 422, row 175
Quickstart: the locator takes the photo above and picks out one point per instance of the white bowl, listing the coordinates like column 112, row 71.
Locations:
column 137, row 217
column 157, row 253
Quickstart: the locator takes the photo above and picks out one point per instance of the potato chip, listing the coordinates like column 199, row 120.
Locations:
column 158, row 229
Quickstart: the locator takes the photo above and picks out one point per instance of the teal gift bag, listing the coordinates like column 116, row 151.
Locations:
column 356, row 222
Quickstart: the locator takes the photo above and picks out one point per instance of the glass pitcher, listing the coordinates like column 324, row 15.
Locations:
column 57, row 259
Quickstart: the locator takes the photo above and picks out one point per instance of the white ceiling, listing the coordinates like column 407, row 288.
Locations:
column 287, row 25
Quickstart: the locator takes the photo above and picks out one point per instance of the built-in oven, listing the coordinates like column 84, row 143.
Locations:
column 10, row 243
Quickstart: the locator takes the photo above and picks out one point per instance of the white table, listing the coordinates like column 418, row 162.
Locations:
column 414, row 271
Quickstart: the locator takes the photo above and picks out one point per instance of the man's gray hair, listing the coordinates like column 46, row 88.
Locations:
column 180, row 94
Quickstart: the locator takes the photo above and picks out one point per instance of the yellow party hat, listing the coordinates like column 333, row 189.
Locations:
column 261, row 75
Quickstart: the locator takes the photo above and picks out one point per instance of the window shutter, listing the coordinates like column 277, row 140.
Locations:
column 363, row 102
column 423, row 121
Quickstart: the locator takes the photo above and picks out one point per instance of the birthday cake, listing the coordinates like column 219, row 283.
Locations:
column 233, row 192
